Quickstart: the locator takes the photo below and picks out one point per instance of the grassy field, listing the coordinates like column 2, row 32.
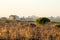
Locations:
column 28, row 31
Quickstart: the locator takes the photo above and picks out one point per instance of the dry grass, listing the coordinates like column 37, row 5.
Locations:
column 29, row 31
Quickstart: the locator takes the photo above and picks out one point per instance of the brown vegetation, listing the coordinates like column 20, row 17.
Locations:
column 28, row 31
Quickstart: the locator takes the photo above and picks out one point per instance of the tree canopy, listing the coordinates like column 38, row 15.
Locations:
column 42, row 20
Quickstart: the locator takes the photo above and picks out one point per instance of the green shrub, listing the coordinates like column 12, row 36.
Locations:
column 58, row 25
column 42, row 20
column 3, row 18
column 18, row 21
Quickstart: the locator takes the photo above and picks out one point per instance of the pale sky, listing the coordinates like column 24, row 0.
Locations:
column 29, row 7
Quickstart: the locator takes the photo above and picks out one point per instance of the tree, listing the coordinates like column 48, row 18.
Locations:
column 42, row 20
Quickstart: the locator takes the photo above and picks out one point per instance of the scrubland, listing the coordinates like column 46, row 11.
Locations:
column 28, row 31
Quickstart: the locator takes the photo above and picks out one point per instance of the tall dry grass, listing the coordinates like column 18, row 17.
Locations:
column 28, row 31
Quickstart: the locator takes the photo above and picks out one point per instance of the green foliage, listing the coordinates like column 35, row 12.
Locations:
column 42, row 20
column 3, row 18
column 58, row 25
column 11, row 21
column 18, row 21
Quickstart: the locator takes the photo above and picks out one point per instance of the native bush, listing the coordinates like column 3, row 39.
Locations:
column 58, row 25
column 42, row 20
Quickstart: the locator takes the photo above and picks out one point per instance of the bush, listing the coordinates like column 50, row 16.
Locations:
column 58, row 25
column 32, row 25
column 8, row 21
column 3, row 18
column 18, row 21
column 42, row 20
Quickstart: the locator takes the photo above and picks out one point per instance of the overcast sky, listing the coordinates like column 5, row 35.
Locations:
column 29, row 7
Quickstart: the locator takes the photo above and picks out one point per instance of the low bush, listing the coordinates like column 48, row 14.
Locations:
column 42, row 20
column 58, row 25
